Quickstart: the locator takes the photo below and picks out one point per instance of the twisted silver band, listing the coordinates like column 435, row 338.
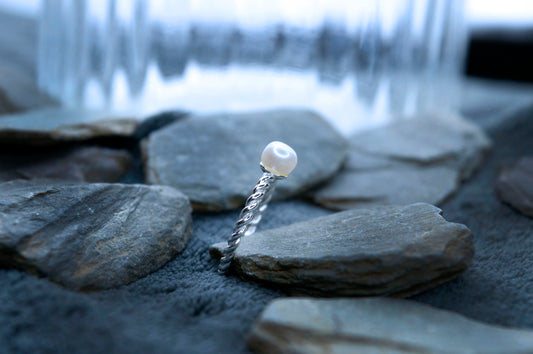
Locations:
column 250, row 216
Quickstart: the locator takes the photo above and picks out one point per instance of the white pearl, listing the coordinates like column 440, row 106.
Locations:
column 279, row 158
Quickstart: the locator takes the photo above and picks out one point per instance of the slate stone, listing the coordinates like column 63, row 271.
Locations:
column 85, row 164
column 515, row 185
column 423, row 159
column 215, row 159
column 394, row 250
column 186, row 306
column 157, row 122
column 397, row 186
column 422, row 139
column 56, row 125
column 87, row 236
column 377, row 325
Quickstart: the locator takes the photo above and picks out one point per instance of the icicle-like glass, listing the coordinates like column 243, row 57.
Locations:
column 357, row 62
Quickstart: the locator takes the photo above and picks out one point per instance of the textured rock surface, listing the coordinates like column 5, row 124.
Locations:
column 395, row 185
column 157, row 122
column 187, row 307
column 53, row 125
column 91, row 235
column 383, row 251
column 515, row 185
column 215, row 159
column 419, row 160
column 85, row 164
column 377, row 325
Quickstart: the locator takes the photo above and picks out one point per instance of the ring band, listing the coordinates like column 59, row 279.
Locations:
column 277, row 161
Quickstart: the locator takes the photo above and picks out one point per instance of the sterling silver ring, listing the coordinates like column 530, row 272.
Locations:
column 277, row 162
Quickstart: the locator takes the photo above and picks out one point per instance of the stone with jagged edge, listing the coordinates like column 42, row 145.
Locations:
column 393, row 250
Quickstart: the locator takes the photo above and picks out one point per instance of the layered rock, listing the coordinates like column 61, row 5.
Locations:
column 377, row 325
column 91, row 235
column 423, row 159
column 215, row 159
column 395, row 250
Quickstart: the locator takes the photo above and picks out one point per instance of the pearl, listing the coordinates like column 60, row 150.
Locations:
column 279, row 158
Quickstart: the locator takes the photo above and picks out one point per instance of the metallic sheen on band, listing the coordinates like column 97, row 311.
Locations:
column 277, row 161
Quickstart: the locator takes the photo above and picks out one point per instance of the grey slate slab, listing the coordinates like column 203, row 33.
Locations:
column 379, row 251
column 215, row 159
column 377, row 325
column 91, row 235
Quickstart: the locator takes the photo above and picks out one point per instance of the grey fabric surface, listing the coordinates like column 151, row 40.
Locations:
column 187, row 307
column 498, row 287
column 184, row 307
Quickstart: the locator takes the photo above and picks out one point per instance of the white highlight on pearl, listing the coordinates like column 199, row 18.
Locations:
column 279, row 158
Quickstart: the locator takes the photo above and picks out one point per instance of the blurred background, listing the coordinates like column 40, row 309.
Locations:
column 358, row 63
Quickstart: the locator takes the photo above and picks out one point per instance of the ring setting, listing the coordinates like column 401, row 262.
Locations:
column 278, row 160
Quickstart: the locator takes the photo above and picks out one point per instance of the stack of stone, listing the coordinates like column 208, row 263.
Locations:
column 94, row 200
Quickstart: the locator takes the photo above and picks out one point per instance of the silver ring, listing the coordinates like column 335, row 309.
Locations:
column 277, row 162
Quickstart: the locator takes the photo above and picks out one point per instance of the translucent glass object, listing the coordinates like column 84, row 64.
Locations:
column 357, row 62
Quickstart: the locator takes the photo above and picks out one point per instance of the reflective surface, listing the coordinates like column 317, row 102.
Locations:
column 358, row 63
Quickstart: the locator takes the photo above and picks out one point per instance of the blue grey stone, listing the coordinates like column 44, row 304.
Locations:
column 58, row 125
column 91, row 164
column 377, row 325
column 423, row 159
column 215, row 159
column 393, row 250
column 88, row 236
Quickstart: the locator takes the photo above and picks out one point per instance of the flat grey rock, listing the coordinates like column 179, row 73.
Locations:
column 423, row 159
column 158, row 121
column 396, row 186
column 515, row 185
column 215, row 159
column 88, row 236
column 377, row 325
column 84, row 164
column 394, row 250
column 54, row 125
column 423, row 139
